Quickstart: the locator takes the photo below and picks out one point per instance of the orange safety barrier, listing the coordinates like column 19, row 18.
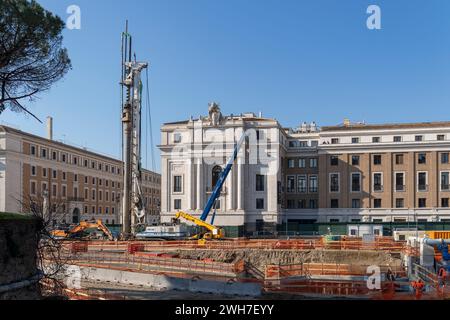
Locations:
column 311, row 269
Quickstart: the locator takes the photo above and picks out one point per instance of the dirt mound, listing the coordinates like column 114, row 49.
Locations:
column 260, row 258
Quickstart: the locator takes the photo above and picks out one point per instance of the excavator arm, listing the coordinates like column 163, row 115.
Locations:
column 83, row 225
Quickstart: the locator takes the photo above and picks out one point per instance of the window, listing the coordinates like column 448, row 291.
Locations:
column 63, row 157
column 313, row 203
column 334, row 160
column 75, row 192
column 356, row 182
column 356, row 203
column 92, row 164
column 54, row 174
column 377, row 159
column 259, row 203
column 44, row 172
column 85, row 209
column 355, row 160
column 100, row 195
column 177, row 204
column 440, row 137
column 85, row 163
column 106, row 195
column 291, row 204
column 313, row 163
column 301, row 204
column 85, row 179
column 422, row 202
column 93, row 194
column 75, row 160
column 93, row 180
column 54, row 155
column 64, row 176
column 290, row 183
column 355, row 140
column 33, row 170
column 376, row 139
column 33, row 150
column 100, row 210
column 33, row 188
column 377, row 203
column 302, row 163
column 334, row 182
column 397, row 138
column 259, row 134
column 418, row 138
column 422, row 158
column 399, row 203
column 313, row 184
column 100, row 166
column 334, row 140
column 422, row 181
column 64, row 191
column 302, row 184
column 377, row 182
column 399, row 181
column 86, row 194
column 291, row 163
column 177, row 184
column 334, row 203
column 399, row 159
column 43, row 153
column 260, row 182
column 75, row 177
column 445, row 181
column 100, row 181
column 93, row 210
column 176, row 137
column 44, row 187
column 54, row 190
column 444, row 157
column 444, row 202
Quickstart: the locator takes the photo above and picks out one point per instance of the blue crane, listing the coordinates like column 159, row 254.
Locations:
column 220, row 182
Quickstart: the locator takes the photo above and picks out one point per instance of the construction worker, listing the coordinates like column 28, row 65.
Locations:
column 418, row 286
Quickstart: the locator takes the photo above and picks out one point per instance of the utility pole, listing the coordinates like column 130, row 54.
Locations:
column 133, row 210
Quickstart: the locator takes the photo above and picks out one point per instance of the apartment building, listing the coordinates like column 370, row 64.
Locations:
column 352, row 172
column 79, row 184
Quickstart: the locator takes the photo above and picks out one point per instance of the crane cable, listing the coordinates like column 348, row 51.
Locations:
column 149, row 125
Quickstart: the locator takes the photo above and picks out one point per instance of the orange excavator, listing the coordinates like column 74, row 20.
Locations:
column 77, row 231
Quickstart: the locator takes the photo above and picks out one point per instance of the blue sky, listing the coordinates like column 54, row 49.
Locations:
column 293, row 60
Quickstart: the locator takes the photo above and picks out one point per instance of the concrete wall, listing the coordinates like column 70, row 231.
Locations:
column 18, row 257
column 162, row 282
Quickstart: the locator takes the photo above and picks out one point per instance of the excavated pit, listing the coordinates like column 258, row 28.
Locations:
column 260, row 258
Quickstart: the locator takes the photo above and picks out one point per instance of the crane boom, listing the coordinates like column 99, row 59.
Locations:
column 223, row 176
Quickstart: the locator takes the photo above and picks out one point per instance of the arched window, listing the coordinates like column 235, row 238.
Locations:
column 216, row 171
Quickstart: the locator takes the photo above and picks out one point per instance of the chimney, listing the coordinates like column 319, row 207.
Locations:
column 346, row 122
column 49, row 128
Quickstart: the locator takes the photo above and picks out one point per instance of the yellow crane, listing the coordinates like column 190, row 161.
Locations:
column 213, row 231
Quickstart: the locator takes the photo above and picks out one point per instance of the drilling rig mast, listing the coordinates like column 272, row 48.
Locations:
column 133, row 207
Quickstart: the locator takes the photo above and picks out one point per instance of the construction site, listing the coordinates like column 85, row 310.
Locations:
column 193, row 258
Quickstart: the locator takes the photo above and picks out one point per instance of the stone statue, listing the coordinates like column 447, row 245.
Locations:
column 215, row 116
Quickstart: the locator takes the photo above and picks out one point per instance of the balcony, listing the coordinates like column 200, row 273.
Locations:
column 75, row 199
column 422, row 188
column 378, row 188
column 400, row 188
column 445, row 187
